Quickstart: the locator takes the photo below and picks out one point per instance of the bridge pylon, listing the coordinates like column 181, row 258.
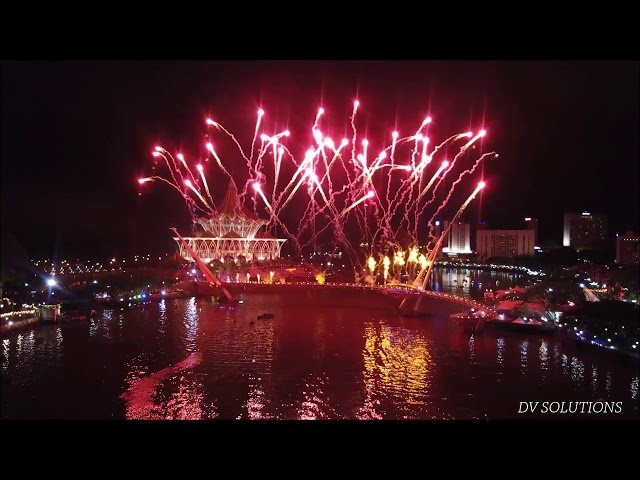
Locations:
column 208, row 274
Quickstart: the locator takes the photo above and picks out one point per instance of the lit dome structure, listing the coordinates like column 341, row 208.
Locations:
column 232, row 231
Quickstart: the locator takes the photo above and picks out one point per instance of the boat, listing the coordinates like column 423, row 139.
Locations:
column 73, row 317
column 50, row 313
column 523, row 325
column 265, row 316
column 470, row 322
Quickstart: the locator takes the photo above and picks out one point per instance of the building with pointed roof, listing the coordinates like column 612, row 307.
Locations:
column 232, row 231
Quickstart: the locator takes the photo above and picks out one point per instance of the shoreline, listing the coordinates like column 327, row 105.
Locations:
column 6, row 328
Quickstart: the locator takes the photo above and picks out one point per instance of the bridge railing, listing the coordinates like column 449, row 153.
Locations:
column 380, row 288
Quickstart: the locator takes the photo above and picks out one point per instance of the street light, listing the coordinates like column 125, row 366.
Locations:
column 51, row 283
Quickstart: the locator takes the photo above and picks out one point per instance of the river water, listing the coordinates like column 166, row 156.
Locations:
column 473, row 282
column 326, row 354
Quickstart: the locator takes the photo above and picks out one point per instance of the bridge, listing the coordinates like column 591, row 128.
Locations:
column 398, row 292
column 211, row 278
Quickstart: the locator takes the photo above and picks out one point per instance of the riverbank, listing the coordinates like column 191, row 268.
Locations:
column 13, row 325
column 583, row 342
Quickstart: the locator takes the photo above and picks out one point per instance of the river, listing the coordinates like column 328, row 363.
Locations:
column 326, row 354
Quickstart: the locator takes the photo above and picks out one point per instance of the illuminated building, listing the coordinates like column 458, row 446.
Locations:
column 458, row 240
column 532, row 224
column 627, row 249
column 584, row 230
column 437, row 231
column 232, row 232
column 504, row 243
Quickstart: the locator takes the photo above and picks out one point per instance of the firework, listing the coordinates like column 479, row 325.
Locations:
column 357, row 199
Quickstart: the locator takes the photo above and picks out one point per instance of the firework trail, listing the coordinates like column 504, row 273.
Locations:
column 234, row 139
column 255, row 135
column 422, row 280
column 453, row 186
column 215, row 155
column 355, row 199
column 204, row 181
column 462, row 151
column 173, row 167
column 409, row 184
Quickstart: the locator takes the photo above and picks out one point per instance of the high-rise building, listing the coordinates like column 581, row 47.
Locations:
column 584, row 230
column 437, row 231
column 627, row 249
column 437, row 228
column 458, row 238
column 504, row 243
column 532, row 224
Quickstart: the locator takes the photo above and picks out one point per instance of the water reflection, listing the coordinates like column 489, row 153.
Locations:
column 188, row 402
column 333, row 359
column 500, row 343
column 120, row 325
column 524, row 352
column 397, row 370
column 5, row 354
column 314, row 406
column 191, row 325
column 472, row 344
column 136, row 369
column 141, row 404
column 319, row 337
column 260, row 374
column 565, row 364
column 556, row 355
column 162, row 309
column 577, row 369
column 93, row 326
column 256, row 402
column 544, row 355
column 472, row 282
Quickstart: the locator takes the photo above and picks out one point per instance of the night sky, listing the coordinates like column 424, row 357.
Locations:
column 77, row 135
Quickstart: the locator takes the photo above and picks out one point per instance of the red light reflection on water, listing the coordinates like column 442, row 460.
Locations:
column 139, row 396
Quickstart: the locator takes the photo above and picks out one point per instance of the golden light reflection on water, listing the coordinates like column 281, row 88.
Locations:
column 397, row 367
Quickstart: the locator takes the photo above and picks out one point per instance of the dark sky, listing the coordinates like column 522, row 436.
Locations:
column 76, row 135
